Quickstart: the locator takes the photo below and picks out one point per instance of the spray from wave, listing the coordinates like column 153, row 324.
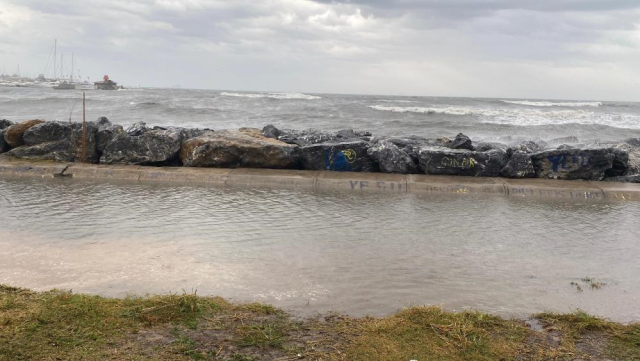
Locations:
column 272, row 95
column 553, row 104
column 528, row 117
column 448, row 110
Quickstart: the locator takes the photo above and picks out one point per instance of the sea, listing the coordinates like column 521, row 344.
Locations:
column 483, row 119
column 320, row 251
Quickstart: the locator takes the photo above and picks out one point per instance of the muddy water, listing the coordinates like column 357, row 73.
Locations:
column 314, row 252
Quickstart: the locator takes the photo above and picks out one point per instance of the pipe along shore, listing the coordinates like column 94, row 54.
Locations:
column 326, row 180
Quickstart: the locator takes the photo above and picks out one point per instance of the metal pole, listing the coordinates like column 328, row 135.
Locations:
column 84, row 130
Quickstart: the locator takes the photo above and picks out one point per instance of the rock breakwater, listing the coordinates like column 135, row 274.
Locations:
column 346, row 150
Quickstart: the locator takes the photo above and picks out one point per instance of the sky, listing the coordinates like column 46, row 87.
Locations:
column 535, row 49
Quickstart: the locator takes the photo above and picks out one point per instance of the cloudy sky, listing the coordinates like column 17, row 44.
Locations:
column 563, row 49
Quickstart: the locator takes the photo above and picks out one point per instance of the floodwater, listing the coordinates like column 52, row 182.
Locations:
column 315, row 251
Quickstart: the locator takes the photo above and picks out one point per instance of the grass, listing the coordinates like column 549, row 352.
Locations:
column 60, row 325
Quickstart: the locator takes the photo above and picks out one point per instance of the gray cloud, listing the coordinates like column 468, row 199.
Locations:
column 544, row 49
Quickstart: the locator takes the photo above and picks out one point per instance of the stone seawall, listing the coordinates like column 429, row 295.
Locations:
column 339, row 181
column 101, row 142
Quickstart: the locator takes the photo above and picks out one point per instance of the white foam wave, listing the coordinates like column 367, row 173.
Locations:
column 448, row 110
column 272, row 95
column 553, row 104
column 396, row 101
column 529, row 117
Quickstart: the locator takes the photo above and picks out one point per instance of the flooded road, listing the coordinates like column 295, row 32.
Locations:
column 312, row 252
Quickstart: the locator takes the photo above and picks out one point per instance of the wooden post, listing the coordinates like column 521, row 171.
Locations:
column 84, row 131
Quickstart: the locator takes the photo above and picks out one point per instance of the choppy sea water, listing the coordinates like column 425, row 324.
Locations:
column 318, row 251
column 503, row 120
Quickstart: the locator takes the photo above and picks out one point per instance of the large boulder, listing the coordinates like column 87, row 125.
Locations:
column 575, row 163
column 47, row 132
column 137, row 129
column 238, row 148
column 519, row 165
column 391, row 159
column 270, row 131
column 306, row 137
column 13, row 134
column 58, row 141
column 529, row 147
column 106, row 132
column 461, row 141
column 347, row 134
column 487, row 146
column 350, row 156
column 4, row 124
column 445, row 161
column 151, row 147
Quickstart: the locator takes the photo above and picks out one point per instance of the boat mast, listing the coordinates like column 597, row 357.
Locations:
column 55, row 56
column 61, row 66
column 71, row 75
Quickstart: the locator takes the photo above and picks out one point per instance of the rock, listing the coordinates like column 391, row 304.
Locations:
column 4, row 124
column 106, row 132
column 271, row 131
column 47, row 132
column 349, row 156
column 242, row 148
column 440, row 160
column 313, row 136
column 564, row 140
column 137, row 129
column 519, row 165
column 412, row 144
column 3, row 145
column 632, row 154
column 13, row 134
column 347, row 134
column 57, row 141
column 151, row 147
column 189, row 133
column 306, row 137
column 634, row 178
column 487, row 146
column 529, row 147
column 461, row 142
column 589, row 164
column 392, row 159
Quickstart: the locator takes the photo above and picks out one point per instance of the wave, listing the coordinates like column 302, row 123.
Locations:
column 396, row 101
column 553, row 104
column 272, row 95
column 448, row 110
column 529, row 117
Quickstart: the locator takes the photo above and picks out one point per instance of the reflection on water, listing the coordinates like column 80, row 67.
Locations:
column 316, row 251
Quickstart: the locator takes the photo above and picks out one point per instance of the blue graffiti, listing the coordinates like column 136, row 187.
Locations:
column 560, row 161
column 336, row 161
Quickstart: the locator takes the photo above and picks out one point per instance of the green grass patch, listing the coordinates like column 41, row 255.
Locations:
column 66, row 326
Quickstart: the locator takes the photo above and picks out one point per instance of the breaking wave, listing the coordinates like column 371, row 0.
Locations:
column 528, row 117
column 396, row 101
column 272, row 95
column 448, row 110
column 553, row 104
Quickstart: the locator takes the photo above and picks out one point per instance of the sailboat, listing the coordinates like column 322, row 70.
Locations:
column 66, row 85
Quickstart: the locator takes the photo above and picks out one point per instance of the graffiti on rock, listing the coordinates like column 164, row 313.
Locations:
column 339, row 160
column 560, row 161
column 465, row 163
